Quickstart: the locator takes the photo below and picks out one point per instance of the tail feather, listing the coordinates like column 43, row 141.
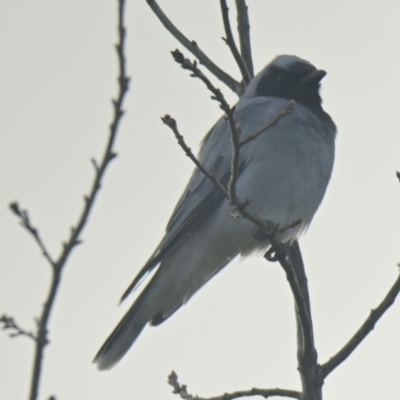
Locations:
column 119, row 342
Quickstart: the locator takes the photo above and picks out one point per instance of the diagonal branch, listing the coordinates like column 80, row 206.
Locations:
column 171, row 123
column 26, row 223
column 195, row 49
column 364, row 330
column 230, row 41
column 244, row 35
column 185, row 63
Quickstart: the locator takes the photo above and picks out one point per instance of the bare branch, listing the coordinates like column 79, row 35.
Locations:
column 181, row 390
column 292, row 263
column 309, row 369
column 300, row 301
column 298, row 267
column 364, row 330
column 192, row 46
column 109, row 154
column 244, row 35
column 228, row 110
column 10, row 324
column 185, row 63
column 25, row 222
column 67, row 247
column 171, row 123
column 231, row 43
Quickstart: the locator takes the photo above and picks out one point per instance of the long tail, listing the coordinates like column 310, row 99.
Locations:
column 120, row 340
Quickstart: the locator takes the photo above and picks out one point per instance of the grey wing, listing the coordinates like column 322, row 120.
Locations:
column 200, row 197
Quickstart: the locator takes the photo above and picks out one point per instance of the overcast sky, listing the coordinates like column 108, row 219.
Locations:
column 58, row 74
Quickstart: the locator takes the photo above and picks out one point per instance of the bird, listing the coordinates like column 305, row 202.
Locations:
column 284, row 174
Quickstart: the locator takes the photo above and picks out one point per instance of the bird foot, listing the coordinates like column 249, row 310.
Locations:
column 277, row 252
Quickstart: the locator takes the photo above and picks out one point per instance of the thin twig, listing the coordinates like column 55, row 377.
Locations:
column 171, row 123
column 181, row 390
column 25, row 222
column 364, row 330
column 244, row 35
column 193, row 47
column 230, row 41
column 185, row 63
column 288, row 109
column 57, row 266
column 10, row 324
column 233, row 125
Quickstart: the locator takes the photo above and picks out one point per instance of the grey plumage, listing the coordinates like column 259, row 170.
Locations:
column 284, row 172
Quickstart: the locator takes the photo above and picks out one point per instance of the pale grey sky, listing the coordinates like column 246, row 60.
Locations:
column 58, row 74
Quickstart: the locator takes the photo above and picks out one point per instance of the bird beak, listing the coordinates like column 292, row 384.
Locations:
column 314, row 77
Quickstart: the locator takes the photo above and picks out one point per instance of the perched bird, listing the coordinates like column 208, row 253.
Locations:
column 284, row 172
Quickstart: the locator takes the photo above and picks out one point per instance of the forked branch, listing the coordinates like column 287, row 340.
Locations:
column 193, row 47
column 14, row 329
column 74, row 237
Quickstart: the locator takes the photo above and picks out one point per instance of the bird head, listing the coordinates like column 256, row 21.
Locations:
column 288, row 77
